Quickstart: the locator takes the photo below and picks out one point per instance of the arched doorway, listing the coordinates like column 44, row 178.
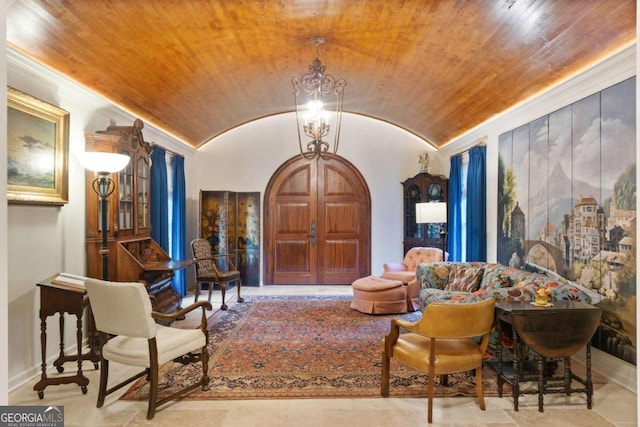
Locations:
column 317, row 223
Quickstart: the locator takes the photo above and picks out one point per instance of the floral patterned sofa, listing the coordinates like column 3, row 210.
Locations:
column 452, row 282
column 478, row 280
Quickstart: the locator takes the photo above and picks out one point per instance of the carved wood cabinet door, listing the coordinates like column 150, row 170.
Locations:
column 317, row 223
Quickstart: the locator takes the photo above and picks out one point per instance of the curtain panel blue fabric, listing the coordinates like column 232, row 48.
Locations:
column 159, row 198
column 476, row 244
column 179, row 223
column 454, row 223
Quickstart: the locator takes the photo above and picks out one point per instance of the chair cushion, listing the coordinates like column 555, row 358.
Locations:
column 403, row 276
column 464, row 279
column 452, row 355
column 374, row 284
column 171, row 343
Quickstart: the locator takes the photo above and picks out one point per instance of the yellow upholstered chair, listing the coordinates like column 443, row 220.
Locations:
column 123, row 311
column 406, row 271
column 441, row 342
column 213, row 269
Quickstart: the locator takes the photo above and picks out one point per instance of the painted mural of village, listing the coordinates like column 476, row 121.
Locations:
column 567, row 205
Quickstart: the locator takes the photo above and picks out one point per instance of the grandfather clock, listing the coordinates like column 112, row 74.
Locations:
column 133, row 256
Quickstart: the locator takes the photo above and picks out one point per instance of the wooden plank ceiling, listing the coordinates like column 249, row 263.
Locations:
column 437, row 68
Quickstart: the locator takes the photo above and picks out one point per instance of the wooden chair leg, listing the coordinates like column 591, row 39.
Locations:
column 210, row 291
column 204, row 357
column 104, row 373
column 240, row 299
column 444, row 380
column 479, row 390
column 432, row 377
column 223, row 291
column 153, row 389
column 197, row 293
column 384, row 386
column 430, row 400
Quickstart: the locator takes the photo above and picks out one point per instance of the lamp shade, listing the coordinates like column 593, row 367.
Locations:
column 431, row 212
column 102, row 162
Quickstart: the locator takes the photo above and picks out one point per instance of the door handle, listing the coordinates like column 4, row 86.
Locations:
column 313, row 233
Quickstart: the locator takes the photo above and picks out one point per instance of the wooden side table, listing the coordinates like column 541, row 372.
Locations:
column 555, row 332
column 60, row 298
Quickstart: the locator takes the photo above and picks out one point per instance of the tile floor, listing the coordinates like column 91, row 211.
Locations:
column 613, row 405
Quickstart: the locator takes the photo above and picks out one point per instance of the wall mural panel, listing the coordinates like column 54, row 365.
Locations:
column 567, row 204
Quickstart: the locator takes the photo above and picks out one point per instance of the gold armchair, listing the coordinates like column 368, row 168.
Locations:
column 441, row 343
column 213, row 269
column 123, row 310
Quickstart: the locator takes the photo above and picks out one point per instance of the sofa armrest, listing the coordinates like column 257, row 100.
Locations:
column 433, row 275
column 392, row 266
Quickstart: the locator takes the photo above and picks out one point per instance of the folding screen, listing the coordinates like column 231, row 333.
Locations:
column 567, row 204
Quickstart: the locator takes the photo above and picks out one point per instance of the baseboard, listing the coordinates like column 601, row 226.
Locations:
column 615, row 369
column 34, row 372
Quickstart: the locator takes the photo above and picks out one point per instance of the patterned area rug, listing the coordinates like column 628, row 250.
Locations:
column 302, row 347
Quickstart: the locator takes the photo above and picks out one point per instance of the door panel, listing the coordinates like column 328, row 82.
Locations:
column 343, row 218
column 290, row 203
column 317, row 223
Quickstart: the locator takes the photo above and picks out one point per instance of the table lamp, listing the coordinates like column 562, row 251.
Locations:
column 434, row 213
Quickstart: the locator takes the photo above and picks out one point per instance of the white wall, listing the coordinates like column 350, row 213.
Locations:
column 245, row 158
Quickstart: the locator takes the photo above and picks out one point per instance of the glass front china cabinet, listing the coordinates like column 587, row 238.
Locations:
column 418, row 189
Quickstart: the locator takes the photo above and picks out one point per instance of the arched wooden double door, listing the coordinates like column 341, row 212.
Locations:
column 317, row 223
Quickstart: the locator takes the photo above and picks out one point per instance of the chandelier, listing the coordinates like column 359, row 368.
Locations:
column 313, row 95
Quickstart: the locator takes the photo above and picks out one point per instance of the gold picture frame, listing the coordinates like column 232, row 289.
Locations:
column 37, row 150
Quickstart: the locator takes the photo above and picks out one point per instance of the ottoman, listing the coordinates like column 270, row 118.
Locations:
column 375, row 295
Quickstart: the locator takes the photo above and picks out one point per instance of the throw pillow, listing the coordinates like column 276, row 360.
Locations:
column 464, row 278
column 501, row 281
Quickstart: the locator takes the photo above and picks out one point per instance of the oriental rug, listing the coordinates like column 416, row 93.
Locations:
column 302, row 347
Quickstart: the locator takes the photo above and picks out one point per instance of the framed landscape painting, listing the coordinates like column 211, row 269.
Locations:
column 37, row 150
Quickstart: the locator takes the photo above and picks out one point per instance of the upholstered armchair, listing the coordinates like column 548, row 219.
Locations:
column 448, row 338
column 211, row 269
column 123, row 312
column 406, row 271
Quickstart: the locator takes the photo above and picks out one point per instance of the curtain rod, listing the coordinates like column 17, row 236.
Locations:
column 481, row 143
column 173, row 153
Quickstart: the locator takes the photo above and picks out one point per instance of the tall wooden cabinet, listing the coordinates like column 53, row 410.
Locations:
column 133, row 255
column 230, row 221
column 423, row 187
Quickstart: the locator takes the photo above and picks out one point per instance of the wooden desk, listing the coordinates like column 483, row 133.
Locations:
column 143, row 260
column 60, row 298
column 552, row 332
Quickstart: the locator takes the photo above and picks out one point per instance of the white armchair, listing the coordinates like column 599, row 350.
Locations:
column 123, row 310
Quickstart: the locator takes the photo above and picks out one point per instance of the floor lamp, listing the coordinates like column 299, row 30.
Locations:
column 434, row 213
column 103, row 164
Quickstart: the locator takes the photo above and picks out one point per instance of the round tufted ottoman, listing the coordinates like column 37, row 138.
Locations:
column 375, row 295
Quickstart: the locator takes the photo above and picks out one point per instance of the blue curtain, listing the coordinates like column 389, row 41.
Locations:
column 179, row 225
column 454, row 224
column 477, row 205
column 159, row 199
